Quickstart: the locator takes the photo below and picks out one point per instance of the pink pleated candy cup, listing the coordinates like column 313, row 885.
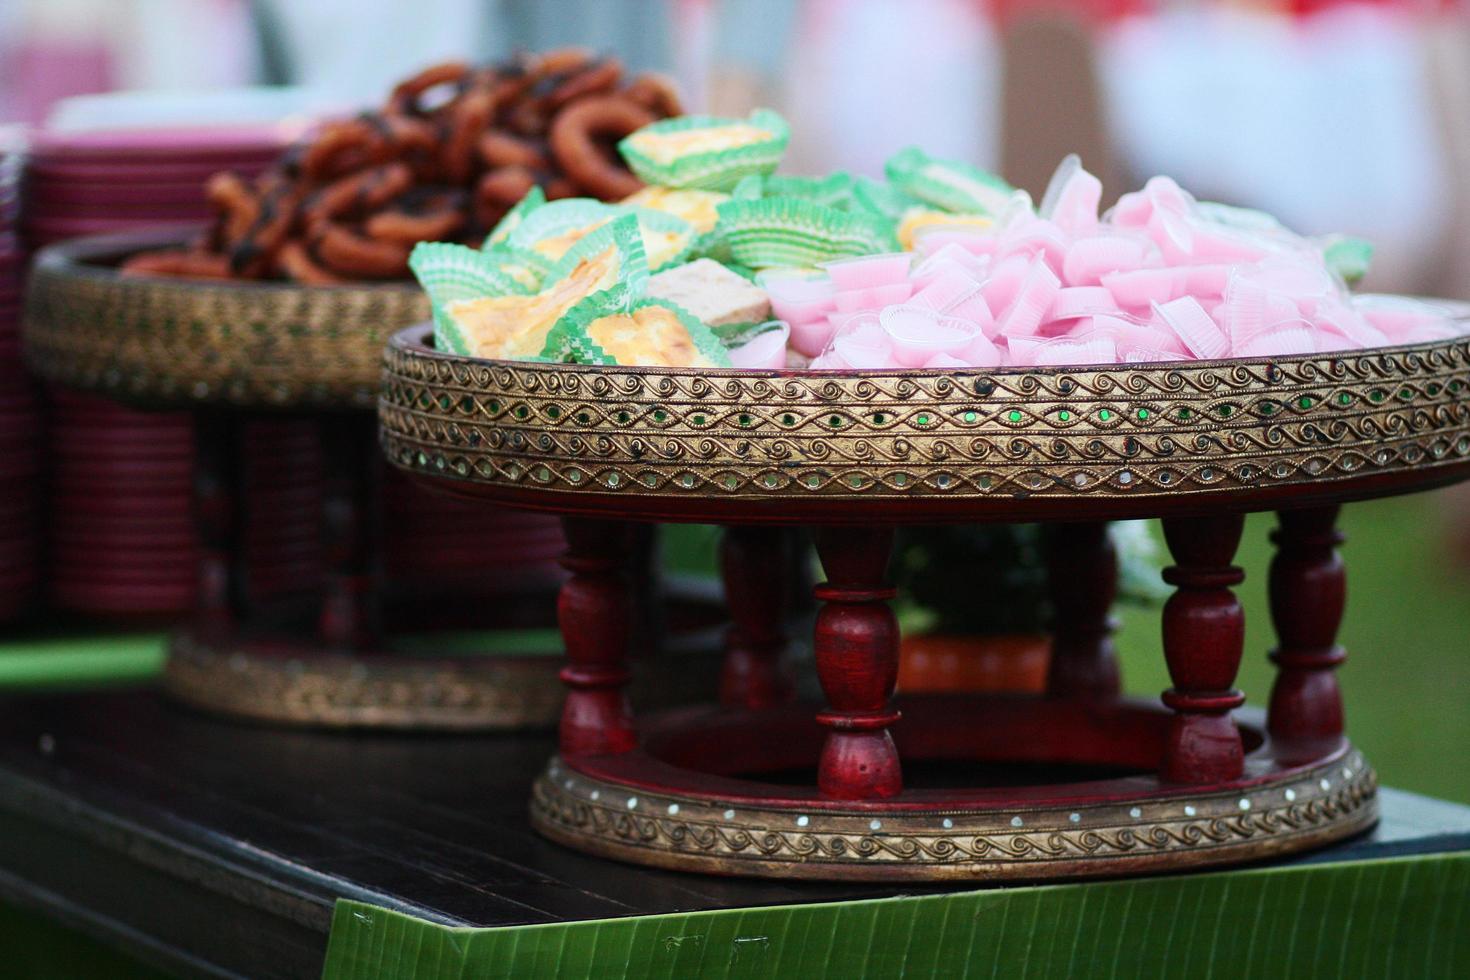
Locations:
column 1140, row 288
column 977, row 311
column 1072, row 198
column 917, row 334
column 764, row 352
column 811, row 337
column 1033, row 300
column 796, row 298
column 1194, row 327
column 1079, row 301
column 946, row 261
column 1093, row 349
column 1398, row 316
column 982, row 352
column 1207, row 280
column 945, row 361
column 1021, row 351
column 1283, row 339
column 1089, row 259
column 1005, row 281
column 944, row 291
column 869, row 270
column 1035, row 237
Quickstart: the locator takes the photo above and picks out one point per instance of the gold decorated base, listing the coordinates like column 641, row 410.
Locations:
column 298, row 685
column 724, row 792
column 1142, row 834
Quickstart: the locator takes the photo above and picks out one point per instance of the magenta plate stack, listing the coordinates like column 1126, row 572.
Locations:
column 91, row 183
column 436, row 543
column 122, row 536
column 121, row 530
column 20, row 417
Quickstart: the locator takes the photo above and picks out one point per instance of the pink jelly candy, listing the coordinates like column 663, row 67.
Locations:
column 1072, row 197
column 1005, row 281
column 917, row 334
column 1282, row 339
column 1038, row 290
column 869, row 270
column 981, row 352
column 945, row 290
column 1075, row 301
column 1094, row 349
column 1089, row 259
column 811, row 337
column 945, row 361
column 763, row 352
column 1141, row 287
column 1192, row 325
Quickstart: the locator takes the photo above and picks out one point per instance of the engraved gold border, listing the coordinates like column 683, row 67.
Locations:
column 1151, row 832
column 175, row 341
column 1123, row 432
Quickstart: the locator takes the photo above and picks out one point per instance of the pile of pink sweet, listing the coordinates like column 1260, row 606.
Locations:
column 1160, row 277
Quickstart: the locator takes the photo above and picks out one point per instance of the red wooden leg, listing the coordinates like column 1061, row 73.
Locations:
column 595, row 611
column 1082, row 571
column 1204, row 634
column 1308, row 592
column 217, row 518
column 753, row 563
column 857, row 663
column 352, row 608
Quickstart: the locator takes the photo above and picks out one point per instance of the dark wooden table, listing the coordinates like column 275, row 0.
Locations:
column 217, row 848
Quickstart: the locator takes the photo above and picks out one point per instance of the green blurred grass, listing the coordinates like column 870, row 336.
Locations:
column 1406, row 685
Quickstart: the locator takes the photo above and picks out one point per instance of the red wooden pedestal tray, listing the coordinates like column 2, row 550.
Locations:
column 230, row 351
column 1073, row 783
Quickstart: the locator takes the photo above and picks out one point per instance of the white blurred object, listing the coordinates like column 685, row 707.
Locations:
column 283, row 106
column 1326, row 121
column 355, row 53
column 869, row 76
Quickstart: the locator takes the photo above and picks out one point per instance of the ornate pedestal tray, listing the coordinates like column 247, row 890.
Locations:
column 1076, row 782
column 230, row 351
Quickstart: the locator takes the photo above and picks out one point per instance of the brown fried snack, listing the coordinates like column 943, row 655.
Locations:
column 452, row 150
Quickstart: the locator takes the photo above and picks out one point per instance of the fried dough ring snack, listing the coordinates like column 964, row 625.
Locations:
column 452, row 150
column 574, row 143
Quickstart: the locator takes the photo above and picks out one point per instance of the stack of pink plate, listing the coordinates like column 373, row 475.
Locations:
column 91, row 183
column 121, row 525
column 20, row 417
column 121, row 530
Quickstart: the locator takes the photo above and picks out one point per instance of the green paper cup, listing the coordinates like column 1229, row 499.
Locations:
column 706, row 152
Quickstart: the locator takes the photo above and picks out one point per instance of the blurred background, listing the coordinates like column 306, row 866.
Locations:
column 1336, row 116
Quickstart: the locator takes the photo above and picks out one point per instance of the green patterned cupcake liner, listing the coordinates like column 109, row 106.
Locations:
column 949, row 185
column 451, row 273
column 570, row 340
column 535, row 197
column 622, row 234
column 882, row 199
column 784, row 231
column 710, row 170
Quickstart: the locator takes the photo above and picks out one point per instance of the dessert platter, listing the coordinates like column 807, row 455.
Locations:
column 280, row 308
column 939, row 350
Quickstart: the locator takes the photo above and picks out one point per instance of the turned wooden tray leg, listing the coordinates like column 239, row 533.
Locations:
column 351, row 614
column 1082, row 575
column 1204, row 636
column 754, row 564
column 1308, row 592
column 595, row 611
column 218, row 519
column 856, row 648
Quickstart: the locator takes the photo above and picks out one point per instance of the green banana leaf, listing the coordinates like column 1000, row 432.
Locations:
column 1399, row 917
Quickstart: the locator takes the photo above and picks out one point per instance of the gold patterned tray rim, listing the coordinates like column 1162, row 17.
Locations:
column 91, row 328
column 447, row 416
